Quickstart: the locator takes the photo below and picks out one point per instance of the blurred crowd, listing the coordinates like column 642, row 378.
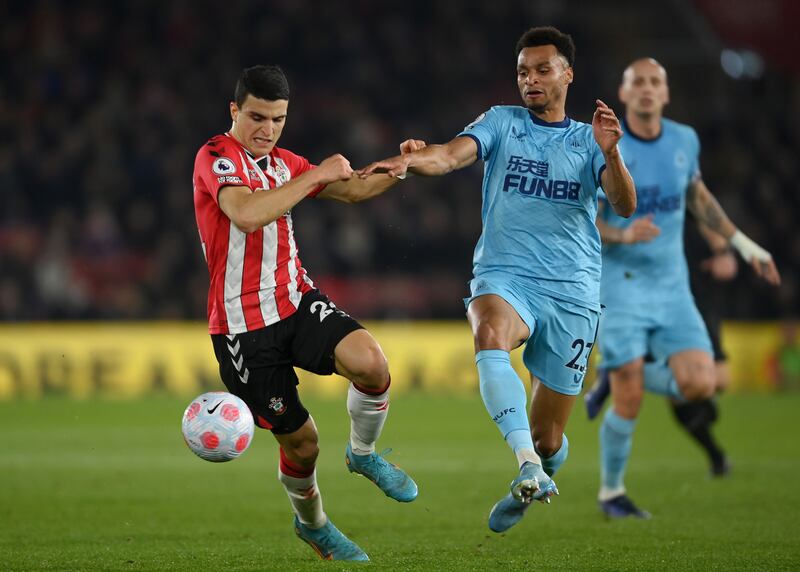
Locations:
column 104, row 105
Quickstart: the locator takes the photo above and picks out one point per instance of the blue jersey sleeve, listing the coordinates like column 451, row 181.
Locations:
column 485, row 132
column 598, row 162
column 694, row 167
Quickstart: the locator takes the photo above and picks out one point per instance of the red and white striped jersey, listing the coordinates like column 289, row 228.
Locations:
column 257, row 278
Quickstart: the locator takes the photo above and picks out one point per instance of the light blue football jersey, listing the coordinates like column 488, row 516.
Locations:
column 540, row 186
column 662, row 169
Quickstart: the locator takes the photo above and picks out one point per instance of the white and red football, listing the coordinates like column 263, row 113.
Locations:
column 217, row 426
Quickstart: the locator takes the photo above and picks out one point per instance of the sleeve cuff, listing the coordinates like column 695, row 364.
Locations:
column 477, row 142
column 599, row 174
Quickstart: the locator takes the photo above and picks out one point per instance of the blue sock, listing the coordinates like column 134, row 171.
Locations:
column 504, row 396
column 658, row 378
column 616, row 437
column 554, row 461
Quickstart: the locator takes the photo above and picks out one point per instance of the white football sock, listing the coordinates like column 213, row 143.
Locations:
column 608, row 493
column 525, row 455
column 367, row 416
column 305, row 497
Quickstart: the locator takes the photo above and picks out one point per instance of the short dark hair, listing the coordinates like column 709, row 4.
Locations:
column 264, row 82
column 546, row 35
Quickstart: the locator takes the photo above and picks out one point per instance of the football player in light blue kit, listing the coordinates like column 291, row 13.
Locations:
column 537, row 263
column 649, row 308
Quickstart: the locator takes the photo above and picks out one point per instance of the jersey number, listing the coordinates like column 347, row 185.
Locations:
column 324, row 309
column 581, row 345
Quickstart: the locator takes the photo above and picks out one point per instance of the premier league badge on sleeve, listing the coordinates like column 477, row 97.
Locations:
column 223, row 166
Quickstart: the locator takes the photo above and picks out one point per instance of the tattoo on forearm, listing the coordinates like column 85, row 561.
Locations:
column 714, row 215
column 706, row 208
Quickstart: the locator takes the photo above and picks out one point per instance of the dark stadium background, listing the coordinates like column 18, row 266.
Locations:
column 104, row 104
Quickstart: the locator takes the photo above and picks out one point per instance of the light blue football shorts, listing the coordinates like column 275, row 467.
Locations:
column 562, row 334
column 660, row 329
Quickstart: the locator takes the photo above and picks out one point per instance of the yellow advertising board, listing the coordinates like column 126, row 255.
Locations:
column 134, row 359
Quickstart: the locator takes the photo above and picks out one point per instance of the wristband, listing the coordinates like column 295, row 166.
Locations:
column 749, row 249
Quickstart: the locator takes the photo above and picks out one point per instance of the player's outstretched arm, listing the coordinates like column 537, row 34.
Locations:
column 359, row 189
column 431, row 160
column 250, row 211
column 356, row 189
column 708, row 211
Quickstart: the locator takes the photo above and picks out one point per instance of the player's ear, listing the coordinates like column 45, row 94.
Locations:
column 234, row 110
column 568, row 74
column 666, row 99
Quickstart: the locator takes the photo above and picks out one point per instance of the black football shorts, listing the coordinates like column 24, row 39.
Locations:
column 258, row 366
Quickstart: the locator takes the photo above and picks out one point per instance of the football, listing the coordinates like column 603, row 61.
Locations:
column 217, row 426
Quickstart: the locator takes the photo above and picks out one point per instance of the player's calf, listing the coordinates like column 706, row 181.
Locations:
column 627, row 389
column 553, row 451
column 548, row 444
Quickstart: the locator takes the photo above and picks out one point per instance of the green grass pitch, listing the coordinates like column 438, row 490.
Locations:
column 109, row 485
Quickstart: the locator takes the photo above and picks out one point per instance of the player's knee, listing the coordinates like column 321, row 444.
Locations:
column 627, row 390
column 628, row 373
column 304, row 452
column 697, row 382
column 490, row 334
column 372, row 369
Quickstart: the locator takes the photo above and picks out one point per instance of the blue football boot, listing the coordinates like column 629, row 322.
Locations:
column 622, row 507
column 328, row 542
column 531, row 484
column 391, row 479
